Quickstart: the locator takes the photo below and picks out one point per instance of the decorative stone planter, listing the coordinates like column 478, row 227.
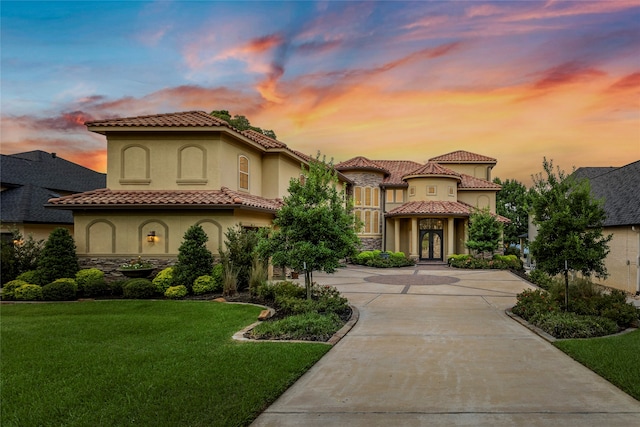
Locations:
column 136, row 273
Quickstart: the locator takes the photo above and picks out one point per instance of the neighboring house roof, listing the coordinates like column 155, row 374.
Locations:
column 32, row 178
column 592, row 172
column 620, row 189
column 462, row 156
column 164, row 199
column 436, row 208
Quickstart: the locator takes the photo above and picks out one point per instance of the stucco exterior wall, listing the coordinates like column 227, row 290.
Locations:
column 445, row 189
column 38, row 231
column 277, row 171
column 477, row 170
column 124, row 234
column 622, row 260
column 479, row 199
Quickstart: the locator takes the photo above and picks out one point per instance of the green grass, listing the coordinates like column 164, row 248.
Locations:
column 615, row 358
column 148, row 363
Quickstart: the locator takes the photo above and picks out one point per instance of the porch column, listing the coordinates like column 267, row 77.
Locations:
column 466, row 236
column 396, row 234
column 415, row 236
column 451, row 244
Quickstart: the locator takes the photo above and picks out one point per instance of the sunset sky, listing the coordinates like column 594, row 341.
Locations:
column 514, row 80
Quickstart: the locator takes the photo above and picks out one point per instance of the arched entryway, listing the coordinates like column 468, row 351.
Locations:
column 431, row 239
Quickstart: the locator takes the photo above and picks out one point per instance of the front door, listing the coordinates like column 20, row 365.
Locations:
column 431, row 245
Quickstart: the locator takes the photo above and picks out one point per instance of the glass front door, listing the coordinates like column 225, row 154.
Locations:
column 431, row 245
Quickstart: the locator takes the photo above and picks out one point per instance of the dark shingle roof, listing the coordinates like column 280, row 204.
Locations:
column 33, row 177
column 620, row 189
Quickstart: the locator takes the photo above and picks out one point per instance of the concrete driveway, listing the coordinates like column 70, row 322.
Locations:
column 434, row 347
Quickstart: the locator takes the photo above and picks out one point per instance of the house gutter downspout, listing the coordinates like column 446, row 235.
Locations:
column 637, row 230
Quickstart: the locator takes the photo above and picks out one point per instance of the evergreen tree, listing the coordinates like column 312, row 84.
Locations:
column 513, row 202
column 58, row 259
column 569, row 224
column 485, row 231
column 241, row 246
column 194, row 259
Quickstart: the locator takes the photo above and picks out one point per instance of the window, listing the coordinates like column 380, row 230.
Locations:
column 367, row 196
column 376, row 197
column 357, row 196
column 451, row 192
column 367, row 221
column 389, row 196
column 399, row 196
column 243, row 172
column 432, row 190
column 303, row 179
column 412, row 191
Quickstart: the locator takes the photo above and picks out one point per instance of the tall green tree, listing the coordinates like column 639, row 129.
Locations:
column 241, row 244
column 315, row 227
column 513, row 202
column 570, row 224
column 194, row 259
column 58, row 259
column 241, row 122
column 19, row 255
column 485, row 231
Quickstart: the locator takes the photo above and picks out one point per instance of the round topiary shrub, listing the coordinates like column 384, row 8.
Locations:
column 116, row 286
column 60, row 290
column 176, row 292
column 205, row 284
column 163, row 280
column 9, row 289
column 30, row 276
column 138, row 289
column 28, row 293
column 91, row 282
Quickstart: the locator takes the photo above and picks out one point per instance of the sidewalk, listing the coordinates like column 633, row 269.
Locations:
column 434, row 347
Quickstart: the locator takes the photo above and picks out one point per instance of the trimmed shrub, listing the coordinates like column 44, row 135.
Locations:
column 91, row 282
column 194, row 259
column 176, row 292
column 571, row 325
column 9, row 289
column 116, row 286
column 205, row 284
column 138, row 289
column 60, row 290
column 58, row 258
column 30, row 276
column 163, row 280
column 381, row 259
column 497, row 262
column 533, row 302
column 218, row 271
column 269, row 291
column 28, row 293
column 540, row 278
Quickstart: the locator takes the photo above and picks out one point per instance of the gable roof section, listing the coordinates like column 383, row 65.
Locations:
column 437, row 208
column 620, row 189
column 361, row 163
column 164, row 199
column 433, row 169
column 180, row 119
column 462, row 156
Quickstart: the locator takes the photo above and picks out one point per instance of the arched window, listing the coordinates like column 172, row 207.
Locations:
column 243, row 173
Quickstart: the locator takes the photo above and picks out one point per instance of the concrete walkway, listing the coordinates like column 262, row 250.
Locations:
column 434, row 347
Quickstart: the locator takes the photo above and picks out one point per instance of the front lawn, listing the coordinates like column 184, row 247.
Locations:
column 615, row 358
column 140, row 362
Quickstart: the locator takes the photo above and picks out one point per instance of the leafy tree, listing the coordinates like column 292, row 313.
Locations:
column 314, row 227
column 513, row 202
column 484, row 231
column 569, row 224
column 241, row 122
column 58, row 259
column 194, row 259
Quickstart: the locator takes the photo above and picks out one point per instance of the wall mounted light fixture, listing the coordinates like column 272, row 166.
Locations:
column 151, row 237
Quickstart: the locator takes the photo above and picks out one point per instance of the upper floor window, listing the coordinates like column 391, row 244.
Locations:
column 394, row 196
column 243, row 173
column 432, row 190
column 366, row 196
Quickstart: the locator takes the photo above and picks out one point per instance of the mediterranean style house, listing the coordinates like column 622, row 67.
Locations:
column 167, row 172
column 420, row 209
column 28, row 180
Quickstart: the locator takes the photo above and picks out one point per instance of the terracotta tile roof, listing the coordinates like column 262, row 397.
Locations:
column 182, row 119
column 472, row 183
column 163, row 199
column 436, row 208
column 360, row 163
column 397, row 169
column 432, row 168
column 263, row 140
column 462, row 156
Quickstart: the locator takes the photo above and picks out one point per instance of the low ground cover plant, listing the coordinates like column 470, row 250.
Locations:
column 297, row 317
column 497, row 261
column 592, row 310
column 166, row 363
column 382, row 259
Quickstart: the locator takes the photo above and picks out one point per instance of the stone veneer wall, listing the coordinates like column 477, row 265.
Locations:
column 110, row 265
column 371, row 244
column 364, row 179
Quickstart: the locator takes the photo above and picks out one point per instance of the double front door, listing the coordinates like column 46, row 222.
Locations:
column 431, row 245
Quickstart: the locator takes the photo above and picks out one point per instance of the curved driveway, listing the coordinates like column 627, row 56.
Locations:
column 434, row 347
